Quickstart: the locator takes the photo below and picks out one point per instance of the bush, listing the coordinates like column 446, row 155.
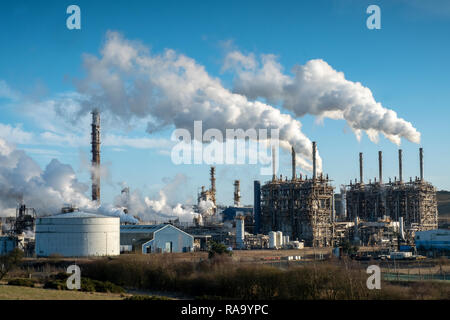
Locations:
column 55, row 284
column 10, row 261
column 87, row 285
column 106, row 286
column 21, row 282
column 62, row 276
column 217, row 249
column 90, row 285
column 228, row 280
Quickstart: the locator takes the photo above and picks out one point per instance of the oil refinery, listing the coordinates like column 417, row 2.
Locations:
column 295, row 212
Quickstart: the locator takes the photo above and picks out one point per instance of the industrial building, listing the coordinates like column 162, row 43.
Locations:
column 8, row 244
column 25, row 219
column 257, row 205
column 19, row 231
column 230, row 214
column 210, row 194
column 433, row 240
column 77, row 234
column 156, row 238
column 414, row 201
column 300, row 208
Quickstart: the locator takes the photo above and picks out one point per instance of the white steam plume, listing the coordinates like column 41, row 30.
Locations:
column 171, row 89
column 47, row 190
column 162, row 207
column 317, row 89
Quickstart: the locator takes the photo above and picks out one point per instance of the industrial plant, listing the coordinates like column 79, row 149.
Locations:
column 287, row 213
column 299, row 207
column 413, row 202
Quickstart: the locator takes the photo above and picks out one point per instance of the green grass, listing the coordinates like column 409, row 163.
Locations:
column 25, row 293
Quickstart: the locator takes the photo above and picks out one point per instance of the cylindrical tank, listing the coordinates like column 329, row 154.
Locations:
column 279, row 239
column 285, row 240
column 272, row 239
column 78, row 234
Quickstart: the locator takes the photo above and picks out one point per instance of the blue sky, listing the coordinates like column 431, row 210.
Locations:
column 406, row 65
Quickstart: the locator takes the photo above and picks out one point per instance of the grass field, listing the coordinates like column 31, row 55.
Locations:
column 25, row 293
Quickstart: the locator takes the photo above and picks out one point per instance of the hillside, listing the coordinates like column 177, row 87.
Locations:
column 443, row 199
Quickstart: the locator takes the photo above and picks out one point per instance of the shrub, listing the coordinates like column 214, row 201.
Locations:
column 217, row 249
column 90, row 285
column 87, row 285
column 106, row 286
column 21, row 282
column 62, row 276
column 55, row 284
column 228, row 280
column 10, row 261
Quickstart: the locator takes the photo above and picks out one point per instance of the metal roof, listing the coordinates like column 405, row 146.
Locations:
column 152, row 228
column 78, row 214
column 132, row 228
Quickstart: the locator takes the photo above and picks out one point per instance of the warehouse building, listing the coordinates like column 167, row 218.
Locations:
column 78, row 234
column 156, row 238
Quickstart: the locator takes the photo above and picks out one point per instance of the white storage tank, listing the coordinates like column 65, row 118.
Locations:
column 280, row 239
column 78, row 234
column 240, row 232
column 272, row 239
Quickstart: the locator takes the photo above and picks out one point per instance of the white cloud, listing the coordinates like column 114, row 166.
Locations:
column 7, row 92
column 112, row 140
column 15, row 134
column 317, row 89
column 171, row 89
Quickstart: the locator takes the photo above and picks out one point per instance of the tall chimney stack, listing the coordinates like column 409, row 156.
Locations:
column 213, row 184
column 274, row 160
column 360, row 167
column 293, row 163
column 400, row 169
column 314, row 159
column 237, row 193
column 421, row 163
column 95, row 175
column 380, row 166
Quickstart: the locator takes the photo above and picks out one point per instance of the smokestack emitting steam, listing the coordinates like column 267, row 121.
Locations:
column 380, row 166
column 95, row 156
column 400, row 173
column 293, row 163
column 360, row 167
column 421, row 163
column 213, row 184
column 237, row 193
column 314, row 159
